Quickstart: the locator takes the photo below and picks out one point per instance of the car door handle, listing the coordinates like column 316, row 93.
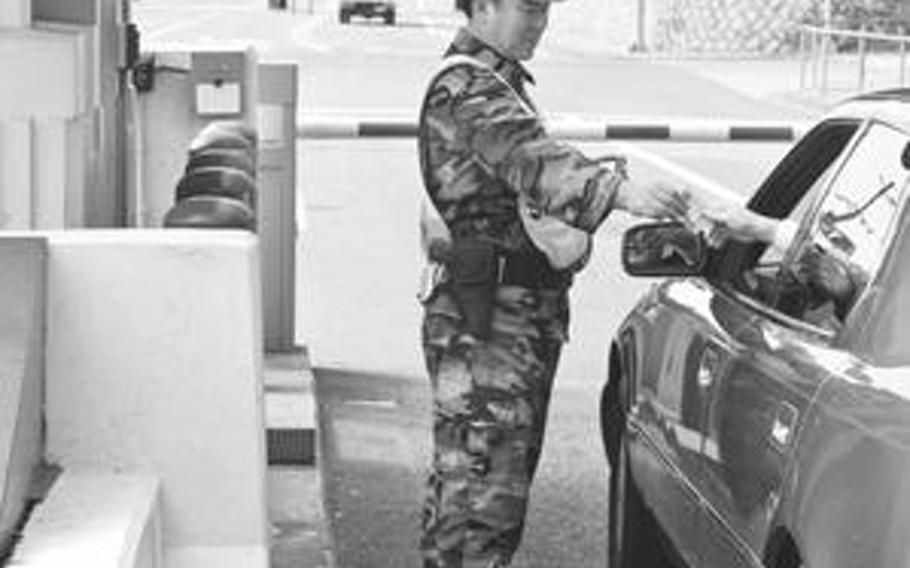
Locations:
column 784, row 424
column 707, row 367
column 705, row 376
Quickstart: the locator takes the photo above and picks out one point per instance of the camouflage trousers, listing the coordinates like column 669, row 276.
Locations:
column 490, row 402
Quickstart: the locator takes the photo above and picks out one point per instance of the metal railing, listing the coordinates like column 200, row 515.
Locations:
column 816, row 43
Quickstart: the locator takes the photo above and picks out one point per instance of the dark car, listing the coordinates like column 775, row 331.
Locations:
column 751, row 418
column 368, row 9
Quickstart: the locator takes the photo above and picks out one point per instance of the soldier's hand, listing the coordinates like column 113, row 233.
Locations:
column 658, row 199
column 720, row 218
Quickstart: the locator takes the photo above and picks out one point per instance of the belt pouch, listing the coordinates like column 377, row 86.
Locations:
column 473, row 267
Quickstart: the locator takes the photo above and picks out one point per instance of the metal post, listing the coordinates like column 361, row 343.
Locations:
column 642, row 43
column 814, row 44
column 276, row 181
column 861, row 80
column 825, row 44
column 903, row 71
column 803, row 59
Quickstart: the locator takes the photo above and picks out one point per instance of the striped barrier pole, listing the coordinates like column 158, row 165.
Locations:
column 680, row 130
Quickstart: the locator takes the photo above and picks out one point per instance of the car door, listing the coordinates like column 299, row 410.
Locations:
column 688, row 330
column 763, row 359
column 700, row 332
column 662, row 445
column 754, row 387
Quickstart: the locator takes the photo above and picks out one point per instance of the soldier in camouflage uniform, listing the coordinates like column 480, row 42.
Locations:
column 483, row 149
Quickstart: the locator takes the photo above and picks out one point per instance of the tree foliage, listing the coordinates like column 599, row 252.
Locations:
column 889, row 16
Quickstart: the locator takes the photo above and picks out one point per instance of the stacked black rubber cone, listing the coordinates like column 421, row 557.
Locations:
column 218, row 186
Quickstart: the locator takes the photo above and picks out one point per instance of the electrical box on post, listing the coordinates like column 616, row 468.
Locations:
column 218, row 80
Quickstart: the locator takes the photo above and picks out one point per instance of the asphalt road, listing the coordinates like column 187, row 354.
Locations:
column 360, row 260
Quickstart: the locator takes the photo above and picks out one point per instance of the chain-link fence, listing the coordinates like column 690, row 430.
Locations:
column 769, row 26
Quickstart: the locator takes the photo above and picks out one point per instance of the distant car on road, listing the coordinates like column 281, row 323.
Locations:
column 749, row 419
column 368, row 9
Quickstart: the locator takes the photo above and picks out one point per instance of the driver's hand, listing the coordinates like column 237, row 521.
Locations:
column 826, row 275
column 721, row 219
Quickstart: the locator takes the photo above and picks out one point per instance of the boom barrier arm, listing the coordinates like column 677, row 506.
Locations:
column 572, row 128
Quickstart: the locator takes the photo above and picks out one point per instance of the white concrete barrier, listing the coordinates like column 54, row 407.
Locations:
column 154, row 364
column 15, row 13
column 23, row 278
column 102, row 520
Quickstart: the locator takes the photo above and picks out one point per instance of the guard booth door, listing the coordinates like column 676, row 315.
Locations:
column 111, row 149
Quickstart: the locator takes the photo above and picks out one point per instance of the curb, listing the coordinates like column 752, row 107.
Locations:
column 290, row 414
column 299, row 528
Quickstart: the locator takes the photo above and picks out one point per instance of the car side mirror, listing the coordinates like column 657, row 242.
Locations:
column 663, row 249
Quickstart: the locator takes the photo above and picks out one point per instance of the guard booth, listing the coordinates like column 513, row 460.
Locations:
column 94, row 136
column 65, row 153
column 193, row 87
column 64, row 161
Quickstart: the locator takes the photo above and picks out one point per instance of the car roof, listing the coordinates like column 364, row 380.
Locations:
column 901, row 95
column 891, row 106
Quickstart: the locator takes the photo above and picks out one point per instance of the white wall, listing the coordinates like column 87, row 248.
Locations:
column 15, row 13
column 154, row 364
column 22, row 313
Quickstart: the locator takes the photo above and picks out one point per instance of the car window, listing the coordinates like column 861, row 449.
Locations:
column 848, row 234
column 846, row 216
column 860, row 209
column 790, row 191
column 774, row 255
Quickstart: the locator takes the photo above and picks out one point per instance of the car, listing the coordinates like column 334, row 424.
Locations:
column 368, row 9
column 750, row 418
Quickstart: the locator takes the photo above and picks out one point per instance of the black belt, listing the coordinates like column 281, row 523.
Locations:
column 476, row 268
column 530, row 270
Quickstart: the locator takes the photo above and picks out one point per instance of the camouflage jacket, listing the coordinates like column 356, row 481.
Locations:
column 482, row 143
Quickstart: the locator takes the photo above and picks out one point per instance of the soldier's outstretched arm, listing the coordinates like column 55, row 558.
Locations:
column 553, row 176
